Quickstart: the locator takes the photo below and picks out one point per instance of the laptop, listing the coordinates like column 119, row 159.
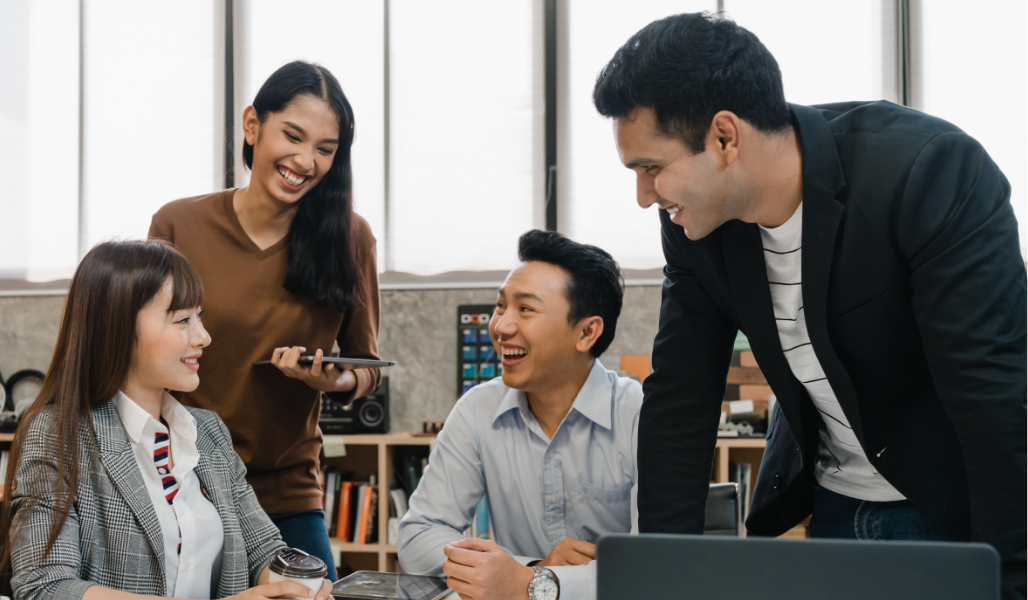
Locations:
column 724, row 568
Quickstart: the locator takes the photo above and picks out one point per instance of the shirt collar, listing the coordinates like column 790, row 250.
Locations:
column 593, row 400
column 135, row 418
column 511, row 399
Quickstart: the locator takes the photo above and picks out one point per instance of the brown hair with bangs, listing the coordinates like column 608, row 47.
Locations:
column 95, row 346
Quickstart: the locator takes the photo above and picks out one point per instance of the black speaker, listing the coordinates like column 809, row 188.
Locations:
column 369, row 414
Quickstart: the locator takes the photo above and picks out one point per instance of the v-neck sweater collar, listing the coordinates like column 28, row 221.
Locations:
column 245, row 239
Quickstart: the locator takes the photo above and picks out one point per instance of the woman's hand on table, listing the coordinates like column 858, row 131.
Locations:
column 324, row 377
column 282, row 588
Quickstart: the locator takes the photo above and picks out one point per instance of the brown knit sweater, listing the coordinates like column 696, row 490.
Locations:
column 273, row 418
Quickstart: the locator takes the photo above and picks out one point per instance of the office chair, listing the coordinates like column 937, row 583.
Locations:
column 721, row 517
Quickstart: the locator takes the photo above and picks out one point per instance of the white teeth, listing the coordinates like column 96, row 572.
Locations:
column 189, row 361
column 513, row 352
column 290, row 179
column 673, row 209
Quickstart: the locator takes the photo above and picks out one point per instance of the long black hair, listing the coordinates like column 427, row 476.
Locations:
column 324, row 261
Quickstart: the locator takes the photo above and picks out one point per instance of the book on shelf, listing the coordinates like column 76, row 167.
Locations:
column 331, row 485
column 5, row 458
column 362, row 495
column 397, row 501
column 365, row 514
column 397, row 509
column 343, row 512
column 370, row 516
column 351, row 507
column 408, row 475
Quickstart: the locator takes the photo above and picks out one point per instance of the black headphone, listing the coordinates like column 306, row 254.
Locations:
column 14, row 380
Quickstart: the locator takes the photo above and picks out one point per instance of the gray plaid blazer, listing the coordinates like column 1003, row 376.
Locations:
column 112, row 537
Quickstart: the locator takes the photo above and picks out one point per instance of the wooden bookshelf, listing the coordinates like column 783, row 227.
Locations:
column 6, row 438
column 372, row 454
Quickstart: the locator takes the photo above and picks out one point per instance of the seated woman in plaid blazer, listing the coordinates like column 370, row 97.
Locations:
column 116, row 490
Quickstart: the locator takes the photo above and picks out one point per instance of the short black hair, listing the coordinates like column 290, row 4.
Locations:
column 689, row 67
column 595, row 285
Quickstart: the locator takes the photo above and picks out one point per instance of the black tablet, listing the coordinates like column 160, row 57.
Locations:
column 340, row 362
column 389, row 586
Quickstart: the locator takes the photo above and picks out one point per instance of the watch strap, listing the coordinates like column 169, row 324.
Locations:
column 543, row 573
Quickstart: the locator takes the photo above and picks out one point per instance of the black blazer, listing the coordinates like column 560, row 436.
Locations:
column 914, row 297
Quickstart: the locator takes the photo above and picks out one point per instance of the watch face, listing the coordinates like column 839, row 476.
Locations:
column 544, row 589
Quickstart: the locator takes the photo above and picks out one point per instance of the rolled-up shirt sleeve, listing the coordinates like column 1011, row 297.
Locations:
column 442, row 507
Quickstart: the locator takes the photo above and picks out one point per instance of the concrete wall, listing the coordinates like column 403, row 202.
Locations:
column 418, row 332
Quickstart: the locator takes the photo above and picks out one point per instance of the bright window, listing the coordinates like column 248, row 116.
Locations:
column 466, row 133
column 39, row 129
column 153, row 120
column 449, row 103
column 596, row 198
column 974, row 73
column 827, row 51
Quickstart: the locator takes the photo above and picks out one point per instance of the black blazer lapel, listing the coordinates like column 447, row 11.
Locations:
column 120, row 463
column 747, row 274
column 822, row 215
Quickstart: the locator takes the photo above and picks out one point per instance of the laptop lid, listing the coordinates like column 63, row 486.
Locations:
column 724, row 568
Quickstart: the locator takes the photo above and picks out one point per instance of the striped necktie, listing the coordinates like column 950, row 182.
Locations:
column 160, row 459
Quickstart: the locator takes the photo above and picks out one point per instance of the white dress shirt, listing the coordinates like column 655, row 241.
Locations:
column 580, row 484
column 842, row 465
column 194, row 573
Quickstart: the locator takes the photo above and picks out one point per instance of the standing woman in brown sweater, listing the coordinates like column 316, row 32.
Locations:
column 288, row 268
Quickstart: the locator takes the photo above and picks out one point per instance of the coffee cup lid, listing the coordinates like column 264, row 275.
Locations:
column 292, row 562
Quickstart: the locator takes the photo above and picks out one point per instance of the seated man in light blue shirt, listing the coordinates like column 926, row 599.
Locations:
column 552, row 445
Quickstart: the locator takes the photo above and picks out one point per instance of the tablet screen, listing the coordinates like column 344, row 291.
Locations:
column 389, row 586
column 340, row 362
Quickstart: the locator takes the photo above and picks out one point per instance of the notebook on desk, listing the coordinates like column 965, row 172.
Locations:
column 722, row 568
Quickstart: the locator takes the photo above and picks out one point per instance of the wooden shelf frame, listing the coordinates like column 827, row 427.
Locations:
column 378, row 556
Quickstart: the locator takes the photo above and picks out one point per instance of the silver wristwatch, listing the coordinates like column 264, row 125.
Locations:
column 544, row 586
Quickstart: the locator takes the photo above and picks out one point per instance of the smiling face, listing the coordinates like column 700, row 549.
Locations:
column 693, row 188
column 168, row 346
column 531, row 332
column 293, row 148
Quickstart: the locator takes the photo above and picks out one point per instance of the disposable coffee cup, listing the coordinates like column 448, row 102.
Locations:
column 292, row 564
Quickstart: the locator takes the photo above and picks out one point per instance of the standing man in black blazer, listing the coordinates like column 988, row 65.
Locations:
column 870, row 254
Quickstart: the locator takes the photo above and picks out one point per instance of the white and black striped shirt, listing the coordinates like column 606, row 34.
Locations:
column 842, row 466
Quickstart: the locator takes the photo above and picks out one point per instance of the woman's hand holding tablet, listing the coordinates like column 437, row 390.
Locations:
column 320, row 376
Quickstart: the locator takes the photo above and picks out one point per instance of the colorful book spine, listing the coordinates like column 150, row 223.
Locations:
column 366, row 496
column 343, row 519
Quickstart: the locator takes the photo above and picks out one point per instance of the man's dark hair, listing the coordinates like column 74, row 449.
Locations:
column 595, row 285
column 689, row 67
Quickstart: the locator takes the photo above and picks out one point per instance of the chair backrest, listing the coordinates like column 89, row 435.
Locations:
column 722, row 514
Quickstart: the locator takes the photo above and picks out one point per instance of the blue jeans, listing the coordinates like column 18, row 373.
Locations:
column 838, row 516
column 306, row 530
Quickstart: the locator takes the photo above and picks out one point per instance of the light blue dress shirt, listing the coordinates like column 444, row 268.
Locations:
column 580, row 484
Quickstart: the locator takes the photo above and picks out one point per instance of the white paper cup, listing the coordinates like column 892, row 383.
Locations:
column 291, row 564
column 314, row 584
